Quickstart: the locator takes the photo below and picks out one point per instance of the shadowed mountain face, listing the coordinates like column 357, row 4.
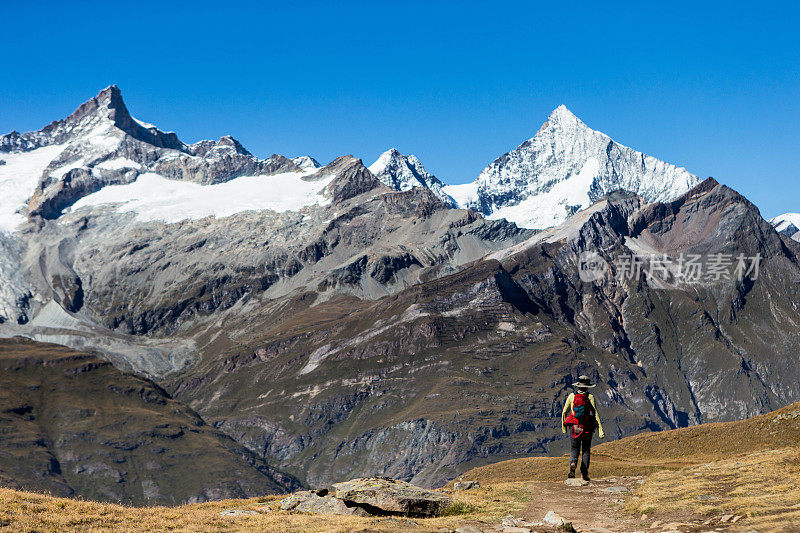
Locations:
column 72, row 424
column 335, row 327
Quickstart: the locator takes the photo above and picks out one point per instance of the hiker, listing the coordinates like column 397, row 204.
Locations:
column 580, row 415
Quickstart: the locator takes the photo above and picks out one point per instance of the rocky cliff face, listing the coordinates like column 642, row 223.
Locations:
column 404, row 172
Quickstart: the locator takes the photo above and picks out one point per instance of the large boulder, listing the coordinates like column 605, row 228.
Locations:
column 390, row 496
column 312, row 502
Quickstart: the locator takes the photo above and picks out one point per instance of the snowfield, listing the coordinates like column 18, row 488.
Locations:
column 155, row 198
column 566, row 197
column 464, row 194
column 19, row 177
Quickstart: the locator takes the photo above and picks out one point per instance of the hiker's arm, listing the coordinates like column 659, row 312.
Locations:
column 565, row 411
column 597, row 418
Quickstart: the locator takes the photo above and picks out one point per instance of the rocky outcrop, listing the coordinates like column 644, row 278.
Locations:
column 352, row 178
column 320, row 502
column 370, row 496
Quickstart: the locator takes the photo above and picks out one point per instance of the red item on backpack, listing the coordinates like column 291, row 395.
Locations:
column 582, row 417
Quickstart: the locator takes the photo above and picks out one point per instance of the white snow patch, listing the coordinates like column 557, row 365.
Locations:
column 306, row 162
column 568, row 229
column 551, row 207
column 142, row 123
column 18, row 180
column 381, row 163
column 118, row 164
column 465, row 194
column 105, row 136
column 785, row 221
column 60, row 171
column 155, row 198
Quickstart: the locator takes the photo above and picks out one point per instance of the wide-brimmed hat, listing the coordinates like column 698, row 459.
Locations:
column 583, row 382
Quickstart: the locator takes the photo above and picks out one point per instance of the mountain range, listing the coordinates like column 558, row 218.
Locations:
column 323, row 322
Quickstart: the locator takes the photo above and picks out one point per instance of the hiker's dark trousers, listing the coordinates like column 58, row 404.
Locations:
column 581, row 444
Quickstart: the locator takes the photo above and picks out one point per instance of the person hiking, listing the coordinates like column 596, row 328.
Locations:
column 580, row 415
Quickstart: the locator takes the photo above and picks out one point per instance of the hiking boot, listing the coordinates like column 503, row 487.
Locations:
column 571, row 472
column 585, row 475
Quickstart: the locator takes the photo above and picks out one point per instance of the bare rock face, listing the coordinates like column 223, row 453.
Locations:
column 352, row 178
column 74, row 425
column 319, row 502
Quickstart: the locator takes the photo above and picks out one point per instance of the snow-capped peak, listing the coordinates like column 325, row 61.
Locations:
column 564, row 168
column 563, row 115
column 306, row 162
column 787, row 224
column 100, row 144
column 404, row 172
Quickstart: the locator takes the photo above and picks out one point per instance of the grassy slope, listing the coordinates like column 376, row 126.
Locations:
column 650, row 452
column 746, row 468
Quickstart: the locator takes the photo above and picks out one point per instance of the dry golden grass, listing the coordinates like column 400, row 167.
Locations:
column 761, row 487
column 27, row 511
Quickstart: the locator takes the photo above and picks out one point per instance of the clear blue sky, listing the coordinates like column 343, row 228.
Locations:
column 712, row 87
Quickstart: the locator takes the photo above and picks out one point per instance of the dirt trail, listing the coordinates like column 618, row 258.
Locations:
column 593, row 507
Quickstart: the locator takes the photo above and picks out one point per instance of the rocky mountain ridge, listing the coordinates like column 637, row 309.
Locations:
column 124, row 258
column 403, row 172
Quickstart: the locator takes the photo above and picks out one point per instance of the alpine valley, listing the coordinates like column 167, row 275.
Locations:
column 185, row 322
